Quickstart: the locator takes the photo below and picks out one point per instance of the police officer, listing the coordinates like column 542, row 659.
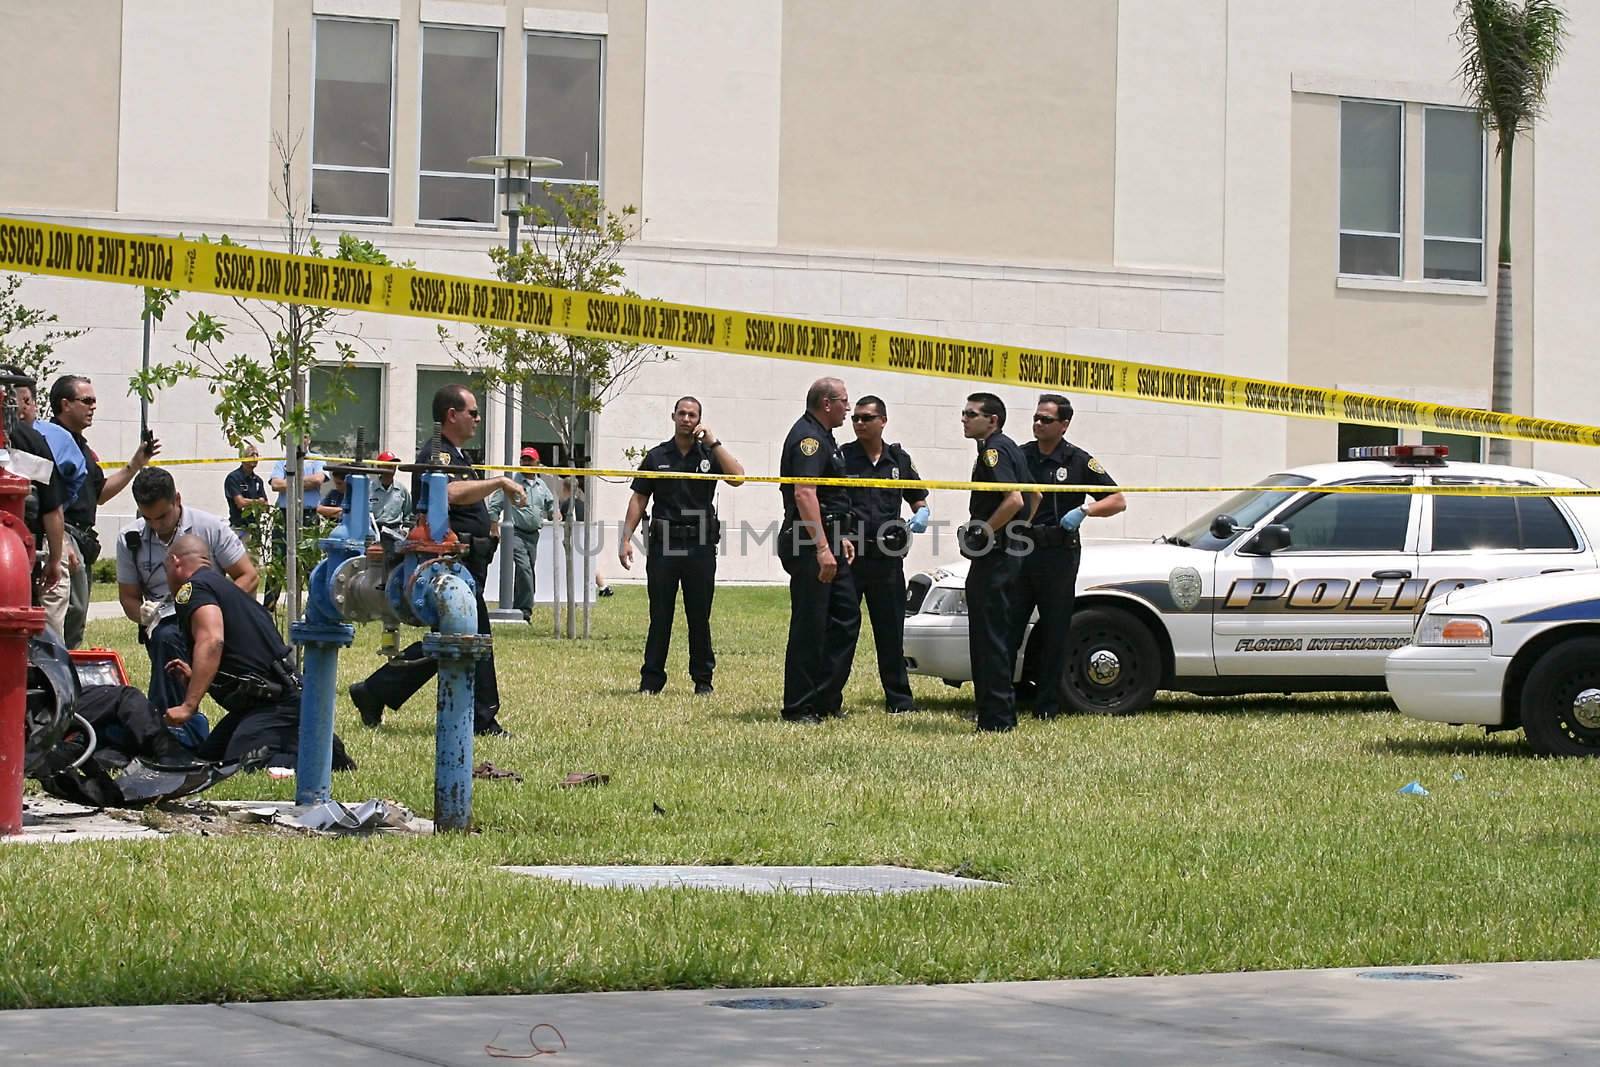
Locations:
column 456, row 411
column 681, row 543
column 246, row 493
column 1050, row 569
column 143, row 588
column 238, row 659
column 884, row 538
column 815, row 549
column 29, row 455
column 989, row 541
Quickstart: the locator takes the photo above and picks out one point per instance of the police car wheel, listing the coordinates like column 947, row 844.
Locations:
column 1561, row 700
column 1113, row 663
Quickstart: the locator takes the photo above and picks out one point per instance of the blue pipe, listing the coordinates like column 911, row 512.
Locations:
column 437, row 487
column 323, row 632
column 456, row 644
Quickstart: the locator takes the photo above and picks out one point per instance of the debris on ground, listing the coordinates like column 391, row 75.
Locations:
column 584, row 778
column 489, row 770
column 1412, row 789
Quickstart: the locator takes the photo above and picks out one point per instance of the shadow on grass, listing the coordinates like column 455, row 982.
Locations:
column 1273, row 704
column 1451, row 746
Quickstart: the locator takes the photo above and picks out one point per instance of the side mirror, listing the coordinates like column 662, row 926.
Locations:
column 1223, row 526
column 1273, row 538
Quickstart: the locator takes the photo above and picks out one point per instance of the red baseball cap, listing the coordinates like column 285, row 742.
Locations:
column 388, row 457
column 531, row 453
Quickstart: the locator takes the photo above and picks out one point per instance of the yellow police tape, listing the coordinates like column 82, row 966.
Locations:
column 1496, row 489
column 249, row 273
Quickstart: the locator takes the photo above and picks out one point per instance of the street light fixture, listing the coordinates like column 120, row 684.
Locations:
column 514, row 181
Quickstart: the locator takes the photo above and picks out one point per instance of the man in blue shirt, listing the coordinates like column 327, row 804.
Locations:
column 311, row 479
column 70, row 472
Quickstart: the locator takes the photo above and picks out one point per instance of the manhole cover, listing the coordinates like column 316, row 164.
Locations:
column 1408, row 976
column 770, row 1004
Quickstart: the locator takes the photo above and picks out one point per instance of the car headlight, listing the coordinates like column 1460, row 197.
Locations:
column 1452, row 630
column 945, row 601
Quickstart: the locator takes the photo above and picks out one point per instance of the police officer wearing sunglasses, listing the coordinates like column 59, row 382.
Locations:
column 883, row 538
column 989, row 540
column 1049, row 572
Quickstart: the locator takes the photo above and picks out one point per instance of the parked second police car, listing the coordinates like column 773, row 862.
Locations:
column 1292, row 590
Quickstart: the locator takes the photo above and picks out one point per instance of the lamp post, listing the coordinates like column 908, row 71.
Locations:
column 514, row 181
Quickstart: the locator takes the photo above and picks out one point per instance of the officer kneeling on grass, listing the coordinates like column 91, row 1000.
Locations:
column 990, row 542
column 1049, row 575
column 237, row 658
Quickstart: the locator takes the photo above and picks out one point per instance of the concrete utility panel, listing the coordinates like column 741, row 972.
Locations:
column 874, row 880
column 47, row 820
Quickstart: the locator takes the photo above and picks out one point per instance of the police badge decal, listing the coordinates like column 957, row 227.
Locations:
column 809, row 446
column 991, row 456
column 705, row 466
column 1184, row 583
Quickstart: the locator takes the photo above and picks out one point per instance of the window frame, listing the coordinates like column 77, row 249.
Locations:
column 1482, row 241
column 1574, row 527
column 383, row 388
column 394, row 89
column 499, row 119
column 1314, row 493
column 598, row 181
column 1338, row 198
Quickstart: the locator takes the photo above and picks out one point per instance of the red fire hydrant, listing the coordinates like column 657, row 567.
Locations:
column 19, row 620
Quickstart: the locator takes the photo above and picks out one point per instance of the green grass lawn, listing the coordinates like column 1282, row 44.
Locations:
column 1206, row 835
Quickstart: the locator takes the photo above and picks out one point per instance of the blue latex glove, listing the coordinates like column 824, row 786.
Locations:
column 1073, row 519
column 919, row 522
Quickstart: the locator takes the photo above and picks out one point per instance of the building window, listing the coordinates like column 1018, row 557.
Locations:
column 1371, row 184
column 345, row 399
column 542, row 413
column 430, row 382
column 564, row 107
column 352, row 120
column 1360, row 435
column 1464, row 448
column 460, row 119
column 1452, row 195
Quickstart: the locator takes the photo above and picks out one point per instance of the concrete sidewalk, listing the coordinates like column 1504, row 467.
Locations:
column 1490, row 1013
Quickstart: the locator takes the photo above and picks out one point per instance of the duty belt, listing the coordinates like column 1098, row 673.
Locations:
column 1051, row 536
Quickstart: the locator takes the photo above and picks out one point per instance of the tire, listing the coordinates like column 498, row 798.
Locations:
column 1137, row 663
column 1548, row 717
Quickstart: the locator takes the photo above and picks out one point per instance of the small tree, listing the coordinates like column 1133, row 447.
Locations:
column 1508, row 53
column 574, row 244
column 34, row 353
column 262, row 394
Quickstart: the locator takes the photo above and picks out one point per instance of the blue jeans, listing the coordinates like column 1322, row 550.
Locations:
column 167, row 643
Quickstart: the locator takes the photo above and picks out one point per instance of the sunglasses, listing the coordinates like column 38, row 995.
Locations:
column 1047, row 419
column 968, row 413
column 86, row 401
column 865, row 418
column 473, row 413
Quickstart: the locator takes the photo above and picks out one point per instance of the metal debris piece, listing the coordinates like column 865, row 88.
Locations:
column 584, row 778
column 489, row 770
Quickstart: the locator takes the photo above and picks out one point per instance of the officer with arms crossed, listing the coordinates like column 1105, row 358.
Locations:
column 989, row 543
column 884, row 538
column 1050, row 571
column 815, row 549
column 456, row 411
column 246, row 493
column 238, row 659
column 142, row 585
column 681, row 543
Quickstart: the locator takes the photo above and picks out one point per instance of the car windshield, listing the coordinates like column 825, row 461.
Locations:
column 1246, row 508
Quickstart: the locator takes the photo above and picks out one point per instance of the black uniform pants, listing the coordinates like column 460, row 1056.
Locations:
column 824, row 619
column 398, row 680
column 666, row 568
column 268, row 734
column 1047, row 581
column 124, row 720
column 881, row 582
column 991, row 586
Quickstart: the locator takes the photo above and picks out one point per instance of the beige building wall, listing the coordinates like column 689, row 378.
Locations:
column 944, row 127
column 61, row 81
column 1417, row 339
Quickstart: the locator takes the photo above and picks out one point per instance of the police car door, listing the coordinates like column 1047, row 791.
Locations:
column 1467, row 540
column 1333, row 601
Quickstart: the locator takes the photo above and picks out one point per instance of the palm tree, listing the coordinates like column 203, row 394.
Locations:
column 1508, row 52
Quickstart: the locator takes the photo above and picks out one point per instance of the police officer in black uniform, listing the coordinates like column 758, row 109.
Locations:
column 238, row 659
column 815, row 549
column 31, row 458
column 1050, row 570
column 883, row 538
column 680, row 543
column 990, row 542
column 456, row 411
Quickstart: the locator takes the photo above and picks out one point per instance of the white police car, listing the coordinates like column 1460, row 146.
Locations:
column 1287, row 591
column 1523, row 653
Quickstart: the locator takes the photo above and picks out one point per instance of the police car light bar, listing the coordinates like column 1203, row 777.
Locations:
column 1426, row 453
